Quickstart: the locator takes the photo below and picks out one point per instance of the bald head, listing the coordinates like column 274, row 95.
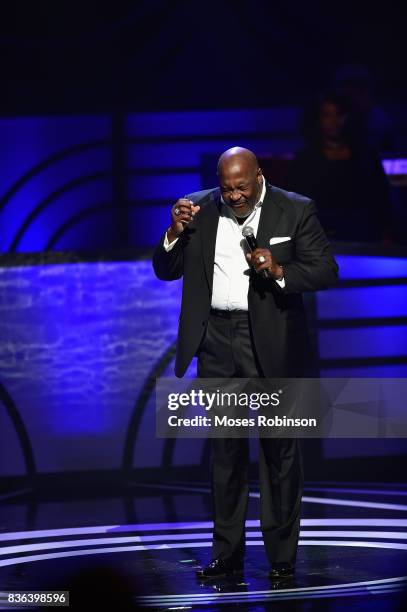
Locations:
column 238, row 157
column 240, row 180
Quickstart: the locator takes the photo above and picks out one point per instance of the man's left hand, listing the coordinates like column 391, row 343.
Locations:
column 262, row 259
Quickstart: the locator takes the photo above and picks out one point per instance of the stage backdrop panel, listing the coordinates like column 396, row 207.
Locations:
column 82, row 343
column 56, row 176
column 78, row 345
column 97, row 182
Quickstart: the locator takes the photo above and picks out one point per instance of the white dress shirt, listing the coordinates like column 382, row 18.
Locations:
column 231, row 270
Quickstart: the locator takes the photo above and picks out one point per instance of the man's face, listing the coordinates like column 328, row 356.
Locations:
column 240, row 187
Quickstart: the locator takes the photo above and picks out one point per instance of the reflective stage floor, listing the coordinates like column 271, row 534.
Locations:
column 140, row 548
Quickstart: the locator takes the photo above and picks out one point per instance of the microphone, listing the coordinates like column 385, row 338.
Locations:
column 251, row 241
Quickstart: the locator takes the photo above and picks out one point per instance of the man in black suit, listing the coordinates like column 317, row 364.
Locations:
column 241, row 322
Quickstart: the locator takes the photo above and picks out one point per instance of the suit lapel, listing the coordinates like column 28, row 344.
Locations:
column 269, row 217
column 209, row 228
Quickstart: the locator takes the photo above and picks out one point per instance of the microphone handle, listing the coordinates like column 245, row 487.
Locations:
column 252, row 243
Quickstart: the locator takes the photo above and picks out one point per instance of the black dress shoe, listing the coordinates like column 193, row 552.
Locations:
column 218, row 568
column 281, row 571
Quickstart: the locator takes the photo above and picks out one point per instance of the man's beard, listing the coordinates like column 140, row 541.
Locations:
column 243, row 215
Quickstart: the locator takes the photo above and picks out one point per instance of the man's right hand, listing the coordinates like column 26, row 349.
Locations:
column 182, row 213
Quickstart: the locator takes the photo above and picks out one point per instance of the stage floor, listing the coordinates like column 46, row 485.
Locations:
column 144, row 545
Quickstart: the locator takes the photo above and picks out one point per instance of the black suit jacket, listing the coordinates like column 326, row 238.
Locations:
column 277, row 315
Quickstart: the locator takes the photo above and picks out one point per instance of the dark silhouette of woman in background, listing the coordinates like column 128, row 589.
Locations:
column 341, row 173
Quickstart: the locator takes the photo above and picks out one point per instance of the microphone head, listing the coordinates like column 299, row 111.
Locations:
column 247, row 231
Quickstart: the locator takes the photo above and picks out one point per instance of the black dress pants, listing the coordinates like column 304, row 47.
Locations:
column 227, row 352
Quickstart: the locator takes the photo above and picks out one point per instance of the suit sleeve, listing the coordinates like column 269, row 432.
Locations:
column 314, row 267
column 169, row 265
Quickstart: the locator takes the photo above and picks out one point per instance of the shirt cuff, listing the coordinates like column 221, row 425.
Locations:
column 167, row 245
column 281, row 283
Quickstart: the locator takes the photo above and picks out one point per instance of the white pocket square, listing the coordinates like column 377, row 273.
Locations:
column 279, row 239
